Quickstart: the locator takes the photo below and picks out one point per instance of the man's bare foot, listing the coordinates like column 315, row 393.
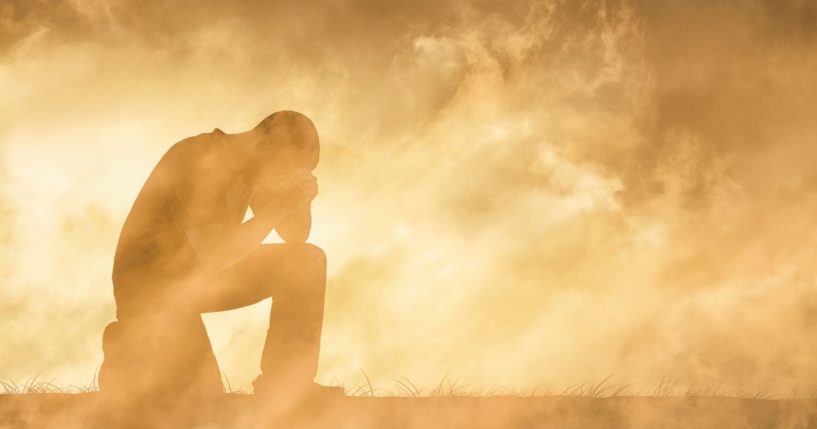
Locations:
column 308, row 392
column 319, row 392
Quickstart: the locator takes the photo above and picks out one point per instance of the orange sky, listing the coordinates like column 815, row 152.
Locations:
column 518, row 194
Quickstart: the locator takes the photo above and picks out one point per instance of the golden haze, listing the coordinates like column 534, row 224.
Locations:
column 521, row 193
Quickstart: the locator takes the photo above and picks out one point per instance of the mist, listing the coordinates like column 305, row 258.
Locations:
column 525, row 194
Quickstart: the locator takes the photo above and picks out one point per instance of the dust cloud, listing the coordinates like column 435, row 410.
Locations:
column 518, row 194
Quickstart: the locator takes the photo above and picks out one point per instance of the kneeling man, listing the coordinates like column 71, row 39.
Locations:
column 185, row 249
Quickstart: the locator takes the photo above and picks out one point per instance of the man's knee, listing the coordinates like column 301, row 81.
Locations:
column 307, row 256
column 313, row 253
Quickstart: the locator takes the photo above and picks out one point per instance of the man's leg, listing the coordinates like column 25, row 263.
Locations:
column 294, row 275
column 162, row 341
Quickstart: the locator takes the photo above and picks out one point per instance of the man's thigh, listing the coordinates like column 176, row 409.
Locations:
column 265, row 273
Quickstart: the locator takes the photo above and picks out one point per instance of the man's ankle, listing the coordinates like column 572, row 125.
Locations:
column 266, row 385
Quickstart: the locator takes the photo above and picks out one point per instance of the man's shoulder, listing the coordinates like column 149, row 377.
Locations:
column 199, row 143
column 192, row 150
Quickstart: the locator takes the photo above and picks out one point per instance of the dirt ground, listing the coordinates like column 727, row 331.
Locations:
column 93, row 410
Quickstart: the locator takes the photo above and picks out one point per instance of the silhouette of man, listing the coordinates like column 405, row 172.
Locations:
column 185, row 249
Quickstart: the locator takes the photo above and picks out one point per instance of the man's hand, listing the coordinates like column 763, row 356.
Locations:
column 276, row 203
column 283, row 197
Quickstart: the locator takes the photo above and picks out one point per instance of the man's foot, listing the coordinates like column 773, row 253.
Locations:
column 319, row 393
column 288, row 406
column 263, row 387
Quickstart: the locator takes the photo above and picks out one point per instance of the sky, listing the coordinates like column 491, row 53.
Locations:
column 513, row 195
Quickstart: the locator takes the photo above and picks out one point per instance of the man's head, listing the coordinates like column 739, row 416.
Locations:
column 287, row 141
column 287, row 149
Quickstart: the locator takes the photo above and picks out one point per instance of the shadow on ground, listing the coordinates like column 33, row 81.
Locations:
column 93, row 410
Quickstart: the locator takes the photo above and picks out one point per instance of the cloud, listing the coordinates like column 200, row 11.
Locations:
column 524, row 193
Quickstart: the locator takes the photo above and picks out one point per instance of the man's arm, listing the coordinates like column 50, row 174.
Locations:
column 219, row 247
column 295, row 227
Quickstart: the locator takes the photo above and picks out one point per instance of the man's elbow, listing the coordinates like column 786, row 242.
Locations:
column 293, row 236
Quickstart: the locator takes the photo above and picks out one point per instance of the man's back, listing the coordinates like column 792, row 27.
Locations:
column 191, row 185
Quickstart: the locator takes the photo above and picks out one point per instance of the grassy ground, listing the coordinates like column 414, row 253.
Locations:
column 92, row 409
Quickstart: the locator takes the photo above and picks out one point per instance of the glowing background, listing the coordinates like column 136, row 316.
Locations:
column 521, row 193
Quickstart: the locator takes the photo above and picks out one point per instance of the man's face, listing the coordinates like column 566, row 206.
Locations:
column 284, row 150
column 291, row 147
column 276, row 165
column 281, row 161
column 277, row 168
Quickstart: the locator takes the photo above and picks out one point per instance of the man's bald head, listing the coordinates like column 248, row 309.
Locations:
column 285, row 141
column 289, row 128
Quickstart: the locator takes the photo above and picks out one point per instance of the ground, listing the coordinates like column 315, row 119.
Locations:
column 245, row 411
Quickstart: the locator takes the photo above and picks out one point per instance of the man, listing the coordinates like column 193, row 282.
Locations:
column 185, row 249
